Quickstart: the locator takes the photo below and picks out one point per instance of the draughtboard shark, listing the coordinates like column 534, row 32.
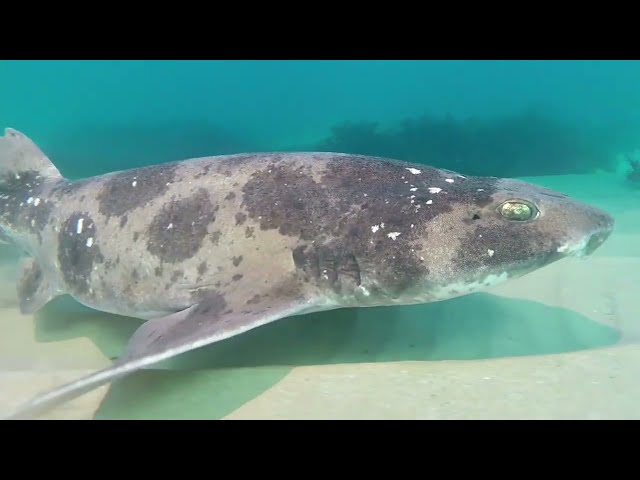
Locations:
column 208, row 248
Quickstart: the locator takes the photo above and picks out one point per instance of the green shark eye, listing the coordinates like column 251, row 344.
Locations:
column 518, row 210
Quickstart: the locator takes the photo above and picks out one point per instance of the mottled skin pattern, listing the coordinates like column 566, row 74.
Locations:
column 354, row 230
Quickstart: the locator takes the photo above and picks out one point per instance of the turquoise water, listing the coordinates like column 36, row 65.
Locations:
column 534, row 119
column 97, row 116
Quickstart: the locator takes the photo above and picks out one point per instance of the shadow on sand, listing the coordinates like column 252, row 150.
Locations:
column 215, row 380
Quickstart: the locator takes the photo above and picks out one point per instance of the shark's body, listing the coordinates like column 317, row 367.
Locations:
column 208, row 248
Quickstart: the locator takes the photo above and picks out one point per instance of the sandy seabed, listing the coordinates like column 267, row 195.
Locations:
column 559, row 343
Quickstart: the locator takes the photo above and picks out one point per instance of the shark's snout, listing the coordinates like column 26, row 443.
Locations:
column 600, row 234
column 602, row 225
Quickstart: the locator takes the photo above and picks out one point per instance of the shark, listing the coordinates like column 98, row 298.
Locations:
column 205, row 249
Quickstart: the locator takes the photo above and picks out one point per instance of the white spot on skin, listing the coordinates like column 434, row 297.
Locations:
column 481, row 190
column 382, row 225
column 36, row 202
column 134, row 183
column 30, row 200
column 89, row 242
column 17, row 177
column 33, row 222
column 375, row 228
column 393, row 235
column 449, row 180
column 429, row 202
column 170, row 226
column 413, row 189
column 415, row 171
column 79, row 226
column 434, row 190
column 490, row 252
column 364, row 291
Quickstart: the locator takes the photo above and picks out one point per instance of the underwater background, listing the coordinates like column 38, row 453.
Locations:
column 503, row 118
column 570, row 125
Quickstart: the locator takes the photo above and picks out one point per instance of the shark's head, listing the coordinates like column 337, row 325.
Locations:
column 483, row 240
column 561, row 224
column 378, row 231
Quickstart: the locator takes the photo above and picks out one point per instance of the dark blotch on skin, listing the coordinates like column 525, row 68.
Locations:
column 118, row 196
column 202, row 268
column 76, row 259
column 248, row 233
column 28, row 218
column 230, row 196
column 204, row 171
column 190, row 218
column 176, row 275
column 253, row 300
column 213, row 306
column 240, row 218
column 334, row 214
column 236, row 277
column 215, row 237
column 123, row 220
column 237, row 260
column 158, row 271
column 136, row 235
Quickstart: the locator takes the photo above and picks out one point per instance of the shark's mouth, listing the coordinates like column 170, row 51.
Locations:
column 586, row 246
column 595, row 241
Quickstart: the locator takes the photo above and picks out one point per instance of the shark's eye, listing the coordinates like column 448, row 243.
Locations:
column 518, row 210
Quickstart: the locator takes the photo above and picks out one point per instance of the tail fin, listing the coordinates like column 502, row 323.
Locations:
column 19, row 155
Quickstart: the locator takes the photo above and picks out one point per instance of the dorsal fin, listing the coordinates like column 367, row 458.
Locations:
column 19, row 155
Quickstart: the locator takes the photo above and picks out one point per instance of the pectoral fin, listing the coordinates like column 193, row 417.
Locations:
column 216, row 318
